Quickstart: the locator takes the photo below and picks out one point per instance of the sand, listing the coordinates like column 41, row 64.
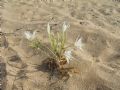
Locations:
column 96, row 21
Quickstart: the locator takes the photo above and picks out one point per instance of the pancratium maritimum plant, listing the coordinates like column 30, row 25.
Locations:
column 59, row 55
column 57, row 43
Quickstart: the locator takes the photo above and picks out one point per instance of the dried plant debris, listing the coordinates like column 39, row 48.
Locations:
column 3, row 40
column 116, row 0
column 2, row 74
column 61, row 71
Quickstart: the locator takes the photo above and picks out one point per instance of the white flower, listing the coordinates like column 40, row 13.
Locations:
column 78, row 43
column 68, row 55
column 65, row 26
column 30, row 35
column 48, row 28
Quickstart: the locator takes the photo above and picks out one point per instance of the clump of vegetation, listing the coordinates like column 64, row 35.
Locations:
column 57, row 45
column 33, row 41
column 60, row 54
column 35, row 44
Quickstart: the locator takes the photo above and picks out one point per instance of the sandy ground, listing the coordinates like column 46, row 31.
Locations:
column 96, row 21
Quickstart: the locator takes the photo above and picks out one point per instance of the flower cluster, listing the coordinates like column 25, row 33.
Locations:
column 30, row 35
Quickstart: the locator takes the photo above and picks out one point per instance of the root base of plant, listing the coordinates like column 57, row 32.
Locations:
column 61, row 71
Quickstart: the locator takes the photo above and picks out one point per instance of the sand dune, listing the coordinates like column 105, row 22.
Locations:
column 97, row 22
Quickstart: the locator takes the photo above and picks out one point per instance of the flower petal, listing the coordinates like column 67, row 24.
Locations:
column 68, row 55
column 65, row 26
column 78, row 43
column 48, row 28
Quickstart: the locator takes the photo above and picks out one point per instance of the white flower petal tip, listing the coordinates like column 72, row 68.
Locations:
column 78, row 43
column 48, row 28
column 65, row 26
column 68, row 55
column 30, row 35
